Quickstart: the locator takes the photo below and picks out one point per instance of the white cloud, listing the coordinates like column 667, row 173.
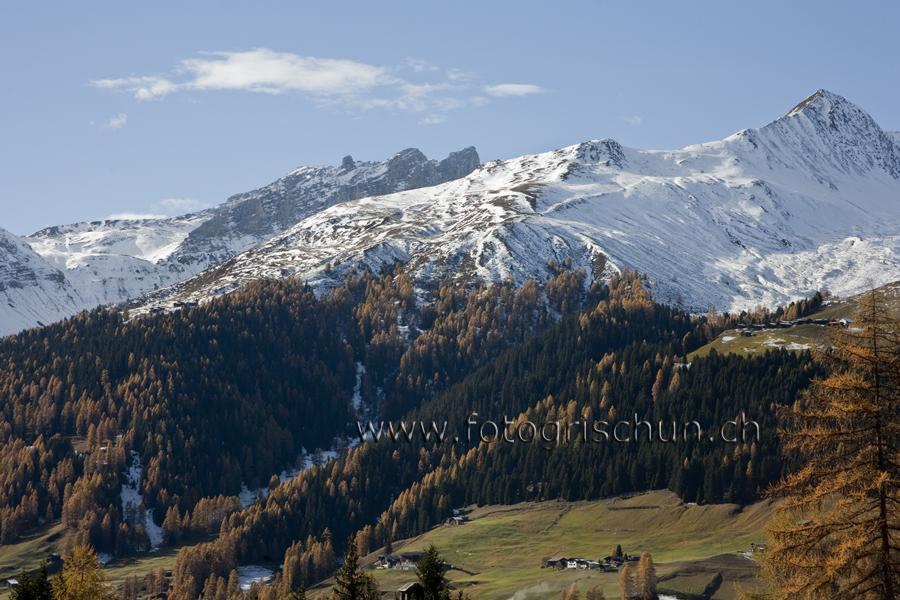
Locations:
column 632, row 120
column 433, row 120
column 180, row 205
column 420, row 65
column 513, row 89
column 144, row 88
column 459, row 75
column 264, row 70
column 260, row 70
column 133, row 216
column 336, row 83
column 117, row 121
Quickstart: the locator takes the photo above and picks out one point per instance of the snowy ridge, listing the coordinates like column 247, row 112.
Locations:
column 61, row 270
column 810, row 201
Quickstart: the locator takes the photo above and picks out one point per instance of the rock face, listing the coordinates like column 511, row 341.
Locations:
column 810, row 201
column 251, row 218
column 113, row 260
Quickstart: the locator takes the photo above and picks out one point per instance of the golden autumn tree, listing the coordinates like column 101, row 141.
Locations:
column 837, row 535
column 646, row 577
column 627, row 587
column 82, row 578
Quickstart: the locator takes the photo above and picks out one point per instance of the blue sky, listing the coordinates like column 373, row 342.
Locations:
column 160, row 108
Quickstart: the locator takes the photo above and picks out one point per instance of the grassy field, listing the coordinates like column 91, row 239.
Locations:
column 30, row 551
column 797, row 338
column 500, row 551
column 36, row 545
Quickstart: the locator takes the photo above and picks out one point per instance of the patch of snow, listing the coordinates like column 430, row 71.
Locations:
column 249, row 573
column 248, row 497
column 104, row 558
column 728, row 338
column 131, row 493
column 796, row 346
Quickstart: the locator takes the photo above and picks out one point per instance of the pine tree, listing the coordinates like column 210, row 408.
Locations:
column 646, row 578
column 626, row 583
column 351, row 583
column 836, row 536
column 82, row 577
column 298, row 594
column 37, row 587
column 431, row 570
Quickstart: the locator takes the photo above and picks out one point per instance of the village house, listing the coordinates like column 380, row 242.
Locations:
column 387, row 561
column 409, row 560
column 412, row 591
column 556, row 563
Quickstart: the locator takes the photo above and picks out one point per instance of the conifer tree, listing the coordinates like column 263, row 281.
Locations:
column 82, row 577
column 130, row 587
column 431, row 570
column 626, row 583
column 837, row 534
column 646, row 577
column 594, row 593
column 351, row 583
column 37, row 587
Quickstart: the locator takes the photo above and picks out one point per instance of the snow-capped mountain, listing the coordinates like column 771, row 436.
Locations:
column 82, row 265
column 32, row 292
column 810, row 201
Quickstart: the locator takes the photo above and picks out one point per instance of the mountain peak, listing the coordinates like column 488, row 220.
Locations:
column 832, row 109
column 835, row 133
column 799, row 108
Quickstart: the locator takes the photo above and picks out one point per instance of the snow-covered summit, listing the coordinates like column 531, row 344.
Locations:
column 115, row 259
column 809, row 201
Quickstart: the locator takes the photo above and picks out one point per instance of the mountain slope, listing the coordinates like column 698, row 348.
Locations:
column 113, row 260
column 809, row 201
column 31, row 290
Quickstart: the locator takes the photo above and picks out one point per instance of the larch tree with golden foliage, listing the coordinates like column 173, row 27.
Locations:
column 82, row 577
column 646, row 578
column 595, row 593
column 627, row 587
column 837, row 535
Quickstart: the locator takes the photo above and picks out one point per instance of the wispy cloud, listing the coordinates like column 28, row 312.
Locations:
column 459, row 75
column 513, row 89
column 133, row 216
column 144, row 88
column 632, row 120
column 117, row 122
column 337, row 83
column 180, row 205
column 418, row 65
column 436, row 120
